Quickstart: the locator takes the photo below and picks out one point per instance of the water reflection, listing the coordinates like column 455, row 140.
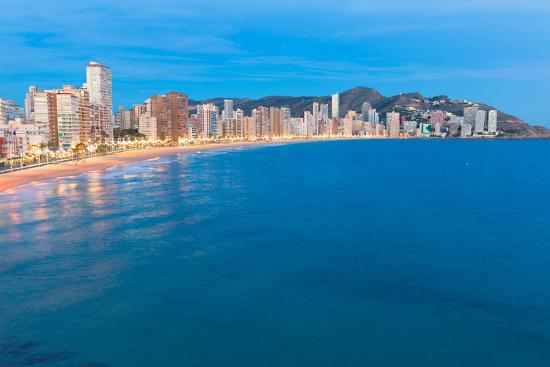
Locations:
column 66, row 245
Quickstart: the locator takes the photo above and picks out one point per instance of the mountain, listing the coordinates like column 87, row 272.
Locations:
column 353, row 99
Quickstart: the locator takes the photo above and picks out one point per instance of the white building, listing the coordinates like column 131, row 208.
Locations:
column 285, row 113
column 10, row 111
column 466, row 130
column 373, row 116
column 148, row 126
column 68, row 119
column 228, row 111
column 470, row 116
column 17, row 137
column 208, row 121
column 492, row 122
column 29, row 102
column 335, row 106
column 481, row 119
column 99, row 86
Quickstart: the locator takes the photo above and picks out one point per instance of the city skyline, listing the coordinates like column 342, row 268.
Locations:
column 394, row 47
column 77, row 119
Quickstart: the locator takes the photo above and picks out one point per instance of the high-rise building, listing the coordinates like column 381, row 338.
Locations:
column 100, row 90
column 68, row 118
column 297, row 126
column 465, row 130
column 373, row 117
column 470, row 115
column 316, row 116
column 228, row 108
column 335, row 106
column 481, row 120
column 365, row 111
column 393, row 124
column 124, row 119
column 323, row 109
column 29, row 102
column 148, row 126
column 347, row 125
column 285, row 115
column 250, row 126
column 239, row 123
column 308, row 123
column 276, row 121
column 45, row 113
column 9, row 111
column 437, row 119
column 208, row 120
column 64, row 114
column 137, row 110
column 492, row 122
column 262, row 121
column 454, row 123
column 172, row 116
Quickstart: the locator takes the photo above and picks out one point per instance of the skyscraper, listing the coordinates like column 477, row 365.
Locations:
column 365, row 111
column 393, row 124
column 276, row 121
column 285, row 113
column 373, row 116
column 100, row 90
column 335, row 105
column 239, row 123
column 492, row 122
column 228, row 108
column 262, row 121
column 316, row 116
column 208, row 120
column 469, row 120
column 481, row 119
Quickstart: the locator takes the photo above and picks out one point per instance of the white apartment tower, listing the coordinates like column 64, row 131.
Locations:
column 481, row 118
column 492, row 122
column 228, row 111
column 335, row 106
column 99, row 86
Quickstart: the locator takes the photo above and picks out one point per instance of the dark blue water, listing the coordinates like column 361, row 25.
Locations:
column 349, row 253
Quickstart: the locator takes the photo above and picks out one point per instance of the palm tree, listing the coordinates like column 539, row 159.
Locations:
column 79, row 149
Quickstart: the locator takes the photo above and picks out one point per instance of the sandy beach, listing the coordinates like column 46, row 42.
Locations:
column 12, row 180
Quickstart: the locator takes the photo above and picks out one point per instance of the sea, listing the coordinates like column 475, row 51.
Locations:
column 337, row 253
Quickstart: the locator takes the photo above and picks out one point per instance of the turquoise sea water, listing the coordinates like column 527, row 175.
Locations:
column 344, row 253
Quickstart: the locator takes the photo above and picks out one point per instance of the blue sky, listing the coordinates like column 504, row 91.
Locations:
column 494, row 51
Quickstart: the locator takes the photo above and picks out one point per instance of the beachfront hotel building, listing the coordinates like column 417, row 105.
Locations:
column 100, row 89
column 208, row 120
column 172, row 116
column 148, row 126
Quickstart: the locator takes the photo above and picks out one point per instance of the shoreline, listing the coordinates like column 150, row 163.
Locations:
column 12, row 180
